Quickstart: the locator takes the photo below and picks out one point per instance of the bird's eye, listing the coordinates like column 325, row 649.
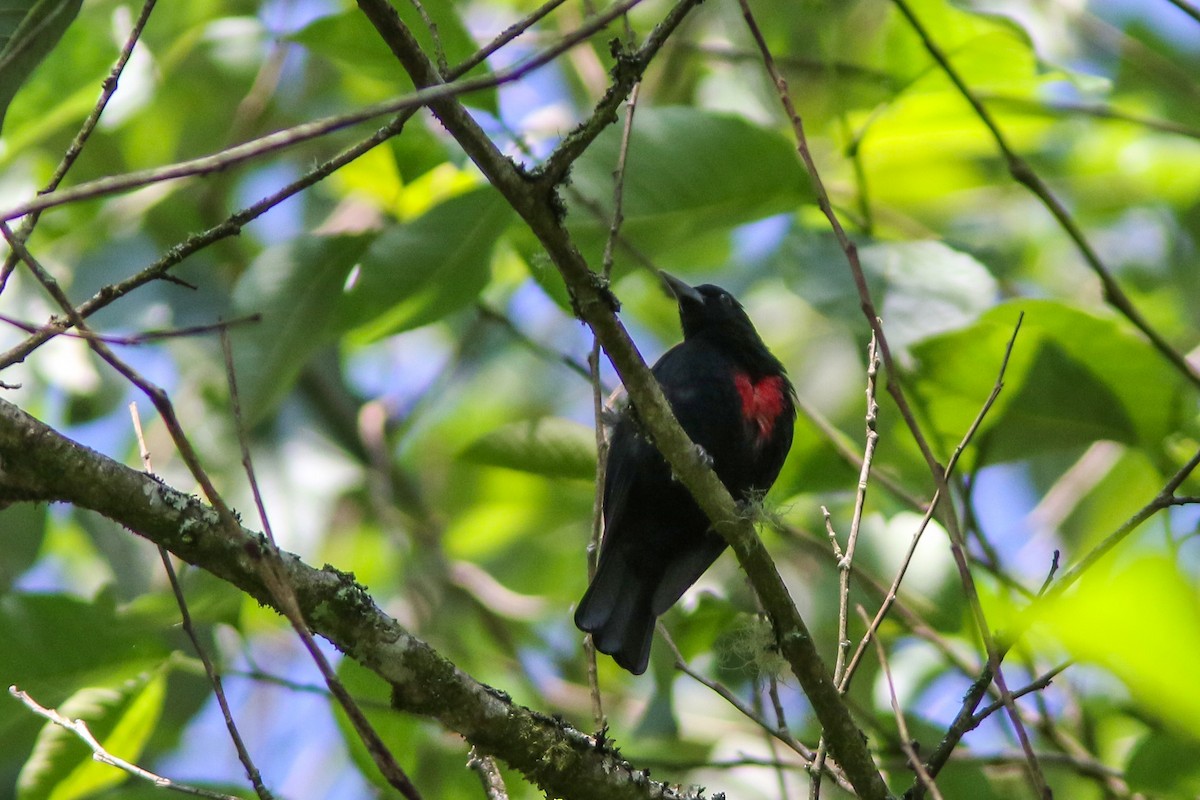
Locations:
column 726, row 300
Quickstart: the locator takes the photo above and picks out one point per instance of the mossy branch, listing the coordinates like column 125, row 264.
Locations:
column 37, row 464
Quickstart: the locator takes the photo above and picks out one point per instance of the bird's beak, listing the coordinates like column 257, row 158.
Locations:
column 682, row 291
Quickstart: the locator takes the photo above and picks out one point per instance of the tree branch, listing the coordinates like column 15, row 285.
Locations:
column 37, row 464
column 539, row 206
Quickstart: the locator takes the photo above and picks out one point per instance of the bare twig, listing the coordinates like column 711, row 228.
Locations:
column 846, row 563
column 894, row 388
column 157, row 396
column 289, row 137
column 1097, row 110
column 85, row 131
column 780, row 731
column 185, row 616
column 595, row 305
column 489, row 775
column 1024, row 174
column 848, row 247
column 534, row 346
column 846, row 559
column 963, row 720
column 598, row 410
column 167, row 412
column 1164, row 499
column 439, row 52
column 277, row 583
column 234, row 223
column 80, row 729
column 1186, row 8
column 145, row 337
column 842, row 444
column 905, row 739
column 1034, row 686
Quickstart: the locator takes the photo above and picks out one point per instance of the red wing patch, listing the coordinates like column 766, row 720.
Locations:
column 762, row 401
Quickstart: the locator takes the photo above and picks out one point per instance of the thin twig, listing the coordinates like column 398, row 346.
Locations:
column 534, row 346
column 894, row 387
column 85, row 131
column 80, row 729
column 1097, row 110
column 1186, row 8
column 1024, row 174
column 185, row 618
column 232, row 225
column 598, row 407
column 289, row 137
column 157, row 396
column 905, row 739
column 283, row 592
column 846, row 563
column 962, row 721
column 489, row 775
column 846, row 560
column 1164, row 499
column 848, row 247
column 842, row 444
column 145, row 337
column 439, row 52
column 167, row 413
column 1035, row 686
column 779, row 732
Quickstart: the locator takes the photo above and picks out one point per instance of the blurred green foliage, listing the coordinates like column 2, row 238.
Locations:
column 413, row 420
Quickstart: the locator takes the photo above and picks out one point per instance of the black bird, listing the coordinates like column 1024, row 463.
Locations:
column 734, row 400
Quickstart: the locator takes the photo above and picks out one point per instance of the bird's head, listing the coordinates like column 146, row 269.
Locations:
column 711, row 313
column 708, row 309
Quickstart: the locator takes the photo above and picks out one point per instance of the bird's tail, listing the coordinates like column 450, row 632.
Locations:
column 615, row 610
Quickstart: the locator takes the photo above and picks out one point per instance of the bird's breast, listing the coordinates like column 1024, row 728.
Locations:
column 762, row 401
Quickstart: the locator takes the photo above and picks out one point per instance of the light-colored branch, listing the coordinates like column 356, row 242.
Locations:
column 845, row 560
column 489, row 775
column 80, row 729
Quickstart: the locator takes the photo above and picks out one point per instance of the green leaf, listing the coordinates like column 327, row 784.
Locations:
column 42, row 652
column 350, row 40
column 122, row 719
column 919, row 288
column 24, row 527
column 1074, row 378
column 296, row 287
column 209, row 599
column 927, row 143
column 1165, row 764
column 691, row 176
column 420, row 271
column 551, row 446
column 1141, row 620
column 29, row 30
